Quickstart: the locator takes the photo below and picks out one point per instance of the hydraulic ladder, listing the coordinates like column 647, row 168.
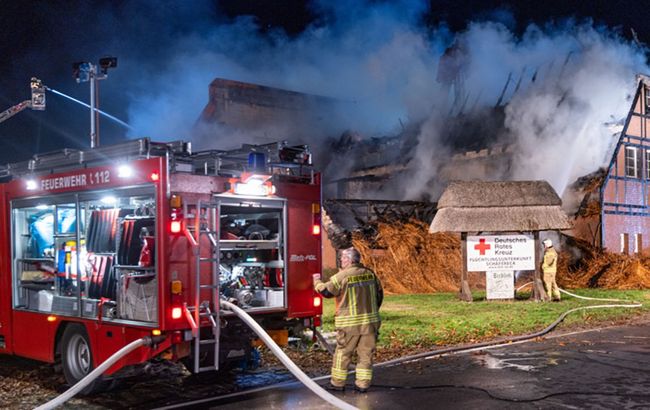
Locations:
column 201, row 225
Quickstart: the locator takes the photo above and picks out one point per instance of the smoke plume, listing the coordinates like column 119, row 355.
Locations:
column 547, row 93
column 558, row 85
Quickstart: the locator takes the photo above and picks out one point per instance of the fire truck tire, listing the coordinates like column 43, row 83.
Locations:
column 77, row 358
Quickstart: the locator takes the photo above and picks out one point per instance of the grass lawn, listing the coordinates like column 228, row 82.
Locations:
column 424, row 320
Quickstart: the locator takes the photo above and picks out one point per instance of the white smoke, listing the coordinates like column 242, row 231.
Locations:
column 382, row 63
column 561, row 124
column 583, row 78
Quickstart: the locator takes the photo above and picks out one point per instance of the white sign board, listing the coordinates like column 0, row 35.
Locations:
column 505, row 252
column 500, row 284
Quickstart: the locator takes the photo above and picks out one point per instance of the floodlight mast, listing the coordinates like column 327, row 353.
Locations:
column 87, row 72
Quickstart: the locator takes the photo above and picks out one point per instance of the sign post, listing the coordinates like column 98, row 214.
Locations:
column 465, row 292
column 538, row 286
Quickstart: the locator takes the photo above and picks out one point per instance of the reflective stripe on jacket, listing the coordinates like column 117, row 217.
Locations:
column 357, row 290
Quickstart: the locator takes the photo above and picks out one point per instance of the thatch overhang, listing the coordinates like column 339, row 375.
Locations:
column 501, row 206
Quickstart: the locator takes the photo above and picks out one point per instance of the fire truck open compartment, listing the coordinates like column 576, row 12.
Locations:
column 58, row 263
column 252, row 251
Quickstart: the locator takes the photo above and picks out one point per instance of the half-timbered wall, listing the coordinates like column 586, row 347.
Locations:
column 626, row 191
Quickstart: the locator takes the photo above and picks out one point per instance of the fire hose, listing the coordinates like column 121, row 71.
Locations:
column 455, row 349
column 81, row 384
column 147, row 341
column 300, row 375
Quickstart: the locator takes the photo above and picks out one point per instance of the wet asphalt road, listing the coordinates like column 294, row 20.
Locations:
column 598, row 369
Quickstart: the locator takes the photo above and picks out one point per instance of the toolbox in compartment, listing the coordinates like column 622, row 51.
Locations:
column 65, row 305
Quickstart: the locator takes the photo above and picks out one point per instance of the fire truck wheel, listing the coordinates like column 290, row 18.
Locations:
column 77, row 358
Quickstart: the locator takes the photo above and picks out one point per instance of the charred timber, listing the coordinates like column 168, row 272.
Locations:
column 361, row 217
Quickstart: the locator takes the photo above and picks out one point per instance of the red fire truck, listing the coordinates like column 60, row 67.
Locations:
column 105, row 246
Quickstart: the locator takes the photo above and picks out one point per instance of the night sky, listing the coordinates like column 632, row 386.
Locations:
column 43, row 38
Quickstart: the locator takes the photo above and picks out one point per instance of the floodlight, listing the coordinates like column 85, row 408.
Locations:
column 81, row 71
column 107, row 62
column 31, row 184
column 124, row 171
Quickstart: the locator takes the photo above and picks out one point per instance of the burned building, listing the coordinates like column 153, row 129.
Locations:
column 472, row 144
column 267, row 113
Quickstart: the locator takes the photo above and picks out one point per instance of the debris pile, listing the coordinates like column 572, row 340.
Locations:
column 605, row 270
column 408, row 259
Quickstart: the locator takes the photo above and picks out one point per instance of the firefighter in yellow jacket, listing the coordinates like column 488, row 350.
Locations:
column 358, row 295
column 549, row 269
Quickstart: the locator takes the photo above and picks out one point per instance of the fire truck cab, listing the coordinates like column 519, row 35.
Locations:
column 105, row 246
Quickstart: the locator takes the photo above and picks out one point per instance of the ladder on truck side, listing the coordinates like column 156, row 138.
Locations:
column 204, row 223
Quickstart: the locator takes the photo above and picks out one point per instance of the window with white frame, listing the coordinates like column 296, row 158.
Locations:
column 625, row 243
column 632, row 162
column 638, row 243
column 647, row 164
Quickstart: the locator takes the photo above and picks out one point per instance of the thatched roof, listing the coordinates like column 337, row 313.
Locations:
column 522, row 206
column 498, row 193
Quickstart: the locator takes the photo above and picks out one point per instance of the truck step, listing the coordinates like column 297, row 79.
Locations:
column 208, row 368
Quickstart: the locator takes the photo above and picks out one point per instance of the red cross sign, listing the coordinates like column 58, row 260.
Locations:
column 500, row 253
column 482, row 246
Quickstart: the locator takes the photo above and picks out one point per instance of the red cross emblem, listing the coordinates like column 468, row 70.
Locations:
column 482, row 246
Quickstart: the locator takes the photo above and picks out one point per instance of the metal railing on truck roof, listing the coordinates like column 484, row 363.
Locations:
column 294, row 160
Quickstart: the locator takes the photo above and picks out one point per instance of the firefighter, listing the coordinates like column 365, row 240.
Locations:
column 549, row 269
column 358, row 295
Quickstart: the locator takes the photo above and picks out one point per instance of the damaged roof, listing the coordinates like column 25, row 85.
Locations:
column 499, row 206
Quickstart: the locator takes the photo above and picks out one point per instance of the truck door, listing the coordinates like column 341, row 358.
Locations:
column 304, row 259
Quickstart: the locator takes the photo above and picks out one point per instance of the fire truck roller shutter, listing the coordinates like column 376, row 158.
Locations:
column 125, row 230
column 101, row 231
column 102, row 280
column 94, row 263
column 90, row 236
column 109, row 281
column 135, row 241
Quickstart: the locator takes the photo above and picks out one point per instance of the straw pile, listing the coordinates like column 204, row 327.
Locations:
column 605, row 270
column 408, row 259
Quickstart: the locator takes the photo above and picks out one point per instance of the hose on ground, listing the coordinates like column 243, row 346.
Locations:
column 578, row 296
column 333, row 400
column 81, row 384
column 632, row 304
column 523, row 286
column 589, row 298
